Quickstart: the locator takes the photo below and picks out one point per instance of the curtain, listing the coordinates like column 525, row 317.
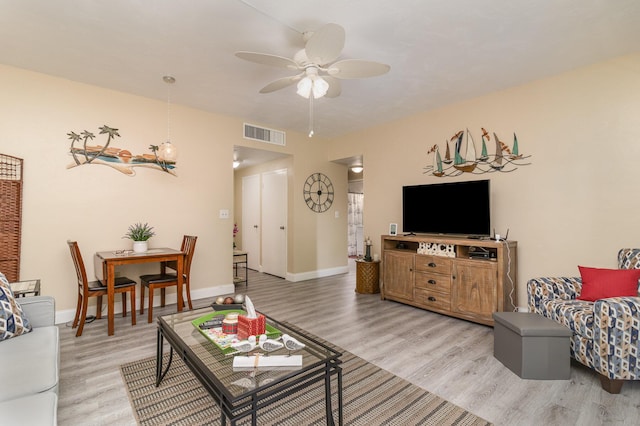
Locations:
column 354, row 224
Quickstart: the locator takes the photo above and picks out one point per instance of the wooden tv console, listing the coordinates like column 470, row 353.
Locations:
column 463, row 278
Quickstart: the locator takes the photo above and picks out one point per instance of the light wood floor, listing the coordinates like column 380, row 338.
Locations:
column 449, row 357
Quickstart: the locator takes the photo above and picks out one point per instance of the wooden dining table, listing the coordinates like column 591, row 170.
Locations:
column 111, row 259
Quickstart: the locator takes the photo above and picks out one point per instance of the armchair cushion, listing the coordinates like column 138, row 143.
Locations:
column 543, row 288
column 13, row 322
column 576, row 315
column 600, row 283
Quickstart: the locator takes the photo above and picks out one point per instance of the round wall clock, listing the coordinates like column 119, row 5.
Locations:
column 318, row 192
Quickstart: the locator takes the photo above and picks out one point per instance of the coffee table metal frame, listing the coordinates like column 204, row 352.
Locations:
column 239, row 405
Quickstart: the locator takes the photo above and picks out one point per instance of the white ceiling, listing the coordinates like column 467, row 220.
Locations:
column 440, row 52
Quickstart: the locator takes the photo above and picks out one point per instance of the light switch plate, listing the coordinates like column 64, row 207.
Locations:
column 224, row 214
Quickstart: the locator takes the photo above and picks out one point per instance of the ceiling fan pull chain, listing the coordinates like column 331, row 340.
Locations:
column 311, row 116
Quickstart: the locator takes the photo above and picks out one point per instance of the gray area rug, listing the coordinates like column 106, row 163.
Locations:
column 371, row 396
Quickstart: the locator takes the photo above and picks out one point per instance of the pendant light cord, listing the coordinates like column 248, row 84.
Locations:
column 168, row 113
column 169, row 80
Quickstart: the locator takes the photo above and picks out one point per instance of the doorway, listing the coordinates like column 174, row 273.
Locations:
column 250, row 166
column 355, row 212
column 264, row 221
column 355, row 231
column 274, row 221
column 251, row 220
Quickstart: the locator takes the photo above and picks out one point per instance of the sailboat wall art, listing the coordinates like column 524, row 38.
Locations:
column 465, row 158
column 119, row 159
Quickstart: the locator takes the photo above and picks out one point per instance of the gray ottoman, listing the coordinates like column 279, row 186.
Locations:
column 532, row 346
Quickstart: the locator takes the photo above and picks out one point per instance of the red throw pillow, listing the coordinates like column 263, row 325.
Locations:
column 600, row 283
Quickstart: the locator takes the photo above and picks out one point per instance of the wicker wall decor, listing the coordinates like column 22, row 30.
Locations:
column 10, row 215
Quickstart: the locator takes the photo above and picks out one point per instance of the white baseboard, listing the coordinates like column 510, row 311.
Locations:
column 67, row 315
column 317, row 274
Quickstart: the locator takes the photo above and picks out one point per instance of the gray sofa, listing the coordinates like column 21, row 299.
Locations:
column 30, row 368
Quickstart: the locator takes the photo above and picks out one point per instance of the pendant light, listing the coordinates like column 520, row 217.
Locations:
column 167, row 151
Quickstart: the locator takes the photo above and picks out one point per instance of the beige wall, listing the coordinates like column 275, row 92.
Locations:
column 94, row 204
column 577, row 203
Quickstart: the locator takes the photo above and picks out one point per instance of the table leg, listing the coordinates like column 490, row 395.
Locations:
column 111, row 273
column 254, row 409
column 340, row 417
column 180, row 277
column 159, row 355
column 159, row 350
column 327, row 395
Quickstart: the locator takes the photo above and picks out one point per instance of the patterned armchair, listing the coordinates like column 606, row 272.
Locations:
column 605, row 332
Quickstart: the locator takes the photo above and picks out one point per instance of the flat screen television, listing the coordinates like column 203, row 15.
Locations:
column 461, row 208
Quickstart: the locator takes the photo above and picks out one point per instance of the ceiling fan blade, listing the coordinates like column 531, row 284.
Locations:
column 326, row 44
column 357, row 68
column 268, row 59
column 334, row 86
column 280, row 83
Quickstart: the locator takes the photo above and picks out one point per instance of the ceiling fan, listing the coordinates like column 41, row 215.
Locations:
column 319, row 75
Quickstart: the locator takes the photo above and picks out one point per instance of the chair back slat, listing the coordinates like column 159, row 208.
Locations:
column 188, row 247
column 78, row 263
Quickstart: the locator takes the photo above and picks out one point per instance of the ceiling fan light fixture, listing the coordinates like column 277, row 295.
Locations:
column 312, row 84
column 320, row 87
column 304, row 87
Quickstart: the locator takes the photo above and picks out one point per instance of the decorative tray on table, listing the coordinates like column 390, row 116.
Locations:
column 227, row 306
column 222, row 340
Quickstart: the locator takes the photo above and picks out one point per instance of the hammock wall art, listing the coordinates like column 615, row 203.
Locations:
column 119, row 159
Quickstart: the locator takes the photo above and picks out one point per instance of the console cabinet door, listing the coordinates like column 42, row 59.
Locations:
column 398, row 274
column 473, row 289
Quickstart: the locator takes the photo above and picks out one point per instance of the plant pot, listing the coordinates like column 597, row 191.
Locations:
column 140, row 246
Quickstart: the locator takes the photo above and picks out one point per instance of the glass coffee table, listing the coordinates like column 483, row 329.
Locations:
column 214, row 369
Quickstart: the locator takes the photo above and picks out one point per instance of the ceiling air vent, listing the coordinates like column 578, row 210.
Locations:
column 262, row 134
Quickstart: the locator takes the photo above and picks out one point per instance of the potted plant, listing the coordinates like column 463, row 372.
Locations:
column 140, row 233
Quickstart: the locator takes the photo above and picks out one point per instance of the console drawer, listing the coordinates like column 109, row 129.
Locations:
column 437, row 264
column 433, row 282
column 432, row 299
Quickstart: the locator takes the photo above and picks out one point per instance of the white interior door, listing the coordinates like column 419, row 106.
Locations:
column 251, row 220
column 274, row 223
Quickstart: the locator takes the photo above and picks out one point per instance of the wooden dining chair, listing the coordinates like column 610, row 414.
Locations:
column 164, row 279
column 87, row 289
